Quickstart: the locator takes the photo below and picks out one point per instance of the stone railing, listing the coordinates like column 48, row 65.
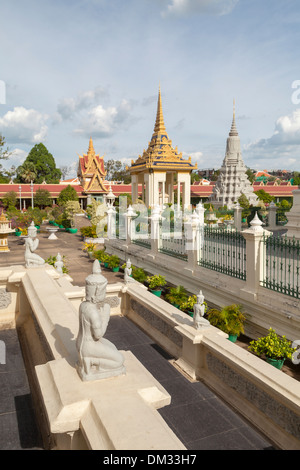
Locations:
column 74, row 416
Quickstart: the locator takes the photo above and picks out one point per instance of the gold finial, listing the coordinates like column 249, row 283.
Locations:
column 91, row 147
column 159, row 123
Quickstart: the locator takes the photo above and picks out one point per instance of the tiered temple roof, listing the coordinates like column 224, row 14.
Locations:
column 160, row 155
column 91, row 171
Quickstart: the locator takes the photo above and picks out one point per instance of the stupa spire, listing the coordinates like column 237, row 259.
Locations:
column 233, row 130
column 159, row 127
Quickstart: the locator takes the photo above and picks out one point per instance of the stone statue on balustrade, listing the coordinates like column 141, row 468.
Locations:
column 59, row 264
column 31, row 244
column 98, row 357
column 199, row 310
column 128, row 272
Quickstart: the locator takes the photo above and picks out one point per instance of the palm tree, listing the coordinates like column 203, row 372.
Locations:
column 27, row 172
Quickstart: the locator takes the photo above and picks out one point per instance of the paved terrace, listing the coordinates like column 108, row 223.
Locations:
column 197, row 416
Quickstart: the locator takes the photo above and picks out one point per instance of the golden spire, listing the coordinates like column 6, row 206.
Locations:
column 91, row 150
column 159, row 127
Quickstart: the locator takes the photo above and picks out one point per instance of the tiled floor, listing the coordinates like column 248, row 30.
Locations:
column 198, row 417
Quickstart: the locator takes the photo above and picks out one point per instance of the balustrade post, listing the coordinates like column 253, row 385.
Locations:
column 255, row 257
column 272, row 216
column 111, row 222
column 155, row 229
column 238, row 217
column 130, row 226
column 192, row 230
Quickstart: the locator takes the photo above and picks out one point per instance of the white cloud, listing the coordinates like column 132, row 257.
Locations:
column 186, row 7
column 68, row 107
column 280, row 150
column 101, row 122
column 196, row 157
column 24, row 126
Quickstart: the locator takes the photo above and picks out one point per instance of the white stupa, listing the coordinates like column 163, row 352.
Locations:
column 233, row 180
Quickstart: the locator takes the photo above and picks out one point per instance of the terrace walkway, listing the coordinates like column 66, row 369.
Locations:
column 197, row 416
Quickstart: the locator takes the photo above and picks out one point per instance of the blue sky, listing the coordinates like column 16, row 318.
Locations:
column 79, row 68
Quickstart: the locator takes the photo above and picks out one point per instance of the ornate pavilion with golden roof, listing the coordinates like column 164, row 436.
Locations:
column 160, row 168
column 91, row 174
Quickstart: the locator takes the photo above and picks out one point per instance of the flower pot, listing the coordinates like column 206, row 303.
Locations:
column 278, row 363
column 90, row 254
column 232, row 338
column 18, row 233
column 190, row 313
column 72, row 230
column 116, row 269
column 105, row 265
column 156, row 292
column 61, row 226
column 175, row 305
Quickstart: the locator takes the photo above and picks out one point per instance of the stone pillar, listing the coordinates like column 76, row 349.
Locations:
column 272, row 216
column 134, row 188
column 130, row 226
column 193, row 240
column 155, row 229
column 255, row 258
column 111, row 222
column 238, row 217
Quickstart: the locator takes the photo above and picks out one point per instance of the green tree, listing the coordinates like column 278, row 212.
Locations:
column 10, row 199
column 263, row 196
column 43, row 165
column 67, row 194
column 251, row 175
column 117, row 171
column 243, row 201
column 27, row 172
column 4, row 153
column 42, row 198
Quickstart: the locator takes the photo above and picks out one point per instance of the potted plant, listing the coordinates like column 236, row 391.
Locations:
column 273, row 348
column 105, row 259
column 188, row 305
column 114, row 263
column 176, row 295
column 230, row 320
column 139, row 274
column 99, row 255
column 89, row 248
column 155, row 284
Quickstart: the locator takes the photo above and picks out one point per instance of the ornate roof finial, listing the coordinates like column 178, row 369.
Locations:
column 233, row 130
column 159, row 123
column 91, row 147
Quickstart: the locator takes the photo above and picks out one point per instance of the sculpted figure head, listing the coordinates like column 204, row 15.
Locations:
column 95, row 285
column 32, row 230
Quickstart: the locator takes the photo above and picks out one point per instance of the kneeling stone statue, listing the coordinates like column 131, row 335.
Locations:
column 98, row 357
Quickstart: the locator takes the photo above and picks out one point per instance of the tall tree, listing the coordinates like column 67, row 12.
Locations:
column 44, row 165
column 67, row 194
column 116, row 171
column 4, row 153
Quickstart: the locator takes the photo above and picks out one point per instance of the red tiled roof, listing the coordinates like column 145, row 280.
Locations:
column 54, row 189
column 197, row 190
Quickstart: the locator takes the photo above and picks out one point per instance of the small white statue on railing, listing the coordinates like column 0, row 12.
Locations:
column 128, row 272
column 59, row 264
column 199, row 311
column 98, row 357
column 31, row 244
